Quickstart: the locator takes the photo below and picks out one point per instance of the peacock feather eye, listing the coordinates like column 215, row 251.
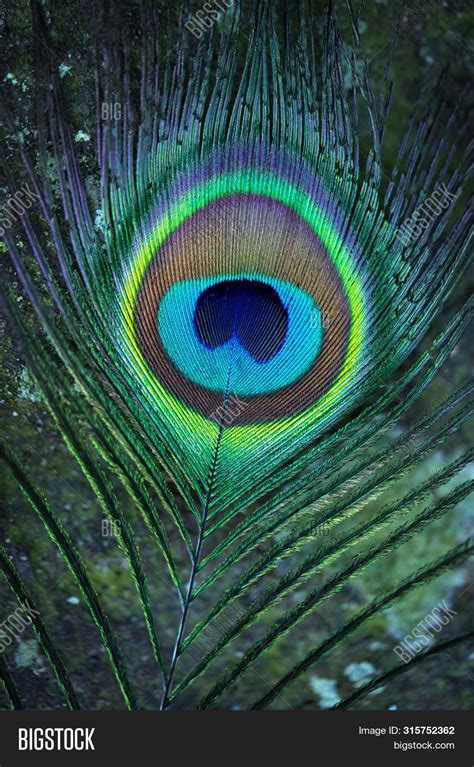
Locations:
column 240, row 298
column 245, row 286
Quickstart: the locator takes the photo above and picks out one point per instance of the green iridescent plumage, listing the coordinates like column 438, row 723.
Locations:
column 235, row 303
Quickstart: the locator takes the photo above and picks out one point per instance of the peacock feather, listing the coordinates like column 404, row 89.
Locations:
column 227, row 317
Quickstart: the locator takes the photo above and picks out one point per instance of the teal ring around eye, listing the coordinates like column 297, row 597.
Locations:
column 230, row 365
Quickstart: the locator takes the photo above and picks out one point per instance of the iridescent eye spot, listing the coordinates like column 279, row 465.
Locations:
column 248, row 311
column 299, row 337
column 268, row 341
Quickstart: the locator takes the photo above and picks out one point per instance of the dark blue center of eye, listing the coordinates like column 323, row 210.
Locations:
column 248, row 310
